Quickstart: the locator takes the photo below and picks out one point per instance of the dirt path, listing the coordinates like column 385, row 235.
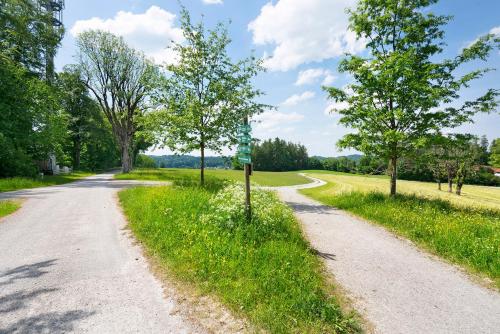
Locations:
column 397, row 287
column 67, row 265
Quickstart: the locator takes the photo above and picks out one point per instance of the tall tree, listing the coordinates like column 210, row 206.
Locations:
column 122, row 80
column 207, row 95
column 81, row 110
column 398, row 90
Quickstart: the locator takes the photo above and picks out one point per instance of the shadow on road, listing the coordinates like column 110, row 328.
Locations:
column 18, row 300
column 26, row 271
column 54, row 323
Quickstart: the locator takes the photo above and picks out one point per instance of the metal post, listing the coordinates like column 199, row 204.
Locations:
column 248, row 206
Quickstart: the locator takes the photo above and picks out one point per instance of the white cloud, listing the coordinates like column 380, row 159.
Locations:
column 151, row 32
column 495, row 31
column 213, row 2
column 304, row 31
column 313, row 75
column 333, row 107
column 298, row 98
column 274, row 121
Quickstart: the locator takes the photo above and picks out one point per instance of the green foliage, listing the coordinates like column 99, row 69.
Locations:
column 398, row 90
column 32, row 124
column 495, row 153
column 122, row 80
column 143, row 161
column 466, row 236
column 278, row 155
column 206, row 95
column 189, row 161
column 8, row 207
column 263, row 270
column 27, row 35
column 18, row 183
column 273, row 179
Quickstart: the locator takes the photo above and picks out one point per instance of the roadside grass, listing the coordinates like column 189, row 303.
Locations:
column 8, row 207
column 271, row 179
column 472, row 196
column 17, row 183
column 461, row 234
column 263, row 270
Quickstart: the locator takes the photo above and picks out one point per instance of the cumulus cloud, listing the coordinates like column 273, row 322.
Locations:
column 151, row 32
column 313, row 75
column 304, row 32
column 495, row 31
column 274, row 121
column 213, row 2
column 333, row 107
column 298, row 98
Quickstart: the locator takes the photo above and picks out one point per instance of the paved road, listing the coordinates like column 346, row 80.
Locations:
column 398, row 288
column 67, row 265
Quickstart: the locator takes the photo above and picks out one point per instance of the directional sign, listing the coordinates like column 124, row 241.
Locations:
column 244, row 139
column 245, row 159
column 244, row 149
column 244, row 129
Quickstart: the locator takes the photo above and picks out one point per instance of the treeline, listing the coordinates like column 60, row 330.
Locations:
column 453, row 159
column 44, row 113
column 189, row 161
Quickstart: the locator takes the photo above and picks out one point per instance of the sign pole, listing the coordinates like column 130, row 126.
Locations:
column 248, row 171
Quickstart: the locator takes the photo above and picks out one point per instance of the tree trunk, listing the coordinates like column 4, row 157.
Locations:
column 394, row 175
column 450, row 182
column 202, row 164
column 77, row 148
column 459, row 188
column 126, row 166
column 439, row 185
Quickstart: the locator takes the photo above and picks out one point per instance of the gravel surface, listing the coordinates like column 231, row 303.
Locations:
column 395, row 286
column 68, row 265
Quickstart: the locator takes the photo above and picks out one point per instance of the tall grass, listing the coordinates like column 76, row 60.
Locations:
column 466, row 236
column 8, row 207
column 17, row 183
column 263, row 270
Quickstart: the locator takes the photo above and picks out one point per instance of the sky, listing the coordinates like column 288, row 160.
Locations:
column 301, row 41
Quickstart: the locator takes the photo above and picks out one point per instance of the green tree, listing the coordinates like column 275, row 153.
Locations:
column 395, row 100
column 495, row 153
column 277, row 155
column 207, row 95
column 27, row 34
column 122, row 80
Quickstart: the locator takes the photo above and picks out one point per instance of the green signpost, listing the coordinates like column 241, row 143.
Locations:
column 245, row 158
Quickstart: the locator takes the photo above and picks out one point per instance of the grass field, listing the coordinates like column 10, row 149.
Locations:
column 17, row 183
column 472, row 196
column 272, row 179
column 8, row 207
column 464, row 230
column 263, row 270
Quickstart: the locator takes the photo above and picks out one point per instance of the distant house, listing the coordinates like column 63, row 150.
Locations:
column 496, row 171
column 48, row 166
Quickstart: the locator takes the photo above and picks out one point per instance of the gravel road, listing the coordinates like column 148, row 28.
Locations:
column 395, row 286
column 68, row 265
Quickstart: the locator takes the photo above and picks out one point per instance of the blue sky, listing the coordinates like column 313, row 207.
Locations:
column 303, row 41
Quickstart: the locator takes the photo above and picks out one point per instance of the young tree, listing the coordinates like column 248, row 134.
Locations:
column 207, row 94
column 394, row 102
column 495, row 153
column 121, row 79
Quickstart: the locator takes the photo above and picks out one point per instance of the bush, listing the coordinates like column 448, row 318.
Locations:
column 144, row 161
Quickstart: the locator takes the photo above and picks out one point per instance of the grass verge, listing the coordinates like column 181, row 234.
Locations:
column 17, row 183
column 263, row 270
column 8, row 207
column 270, row 179
column 466, row 236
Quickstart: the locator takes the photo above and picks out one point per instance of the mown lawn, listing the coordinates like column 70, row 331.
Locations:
column 263, row 270
column 466, row 233
column 17, row 183
column 8, row 207
column 271, row 179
